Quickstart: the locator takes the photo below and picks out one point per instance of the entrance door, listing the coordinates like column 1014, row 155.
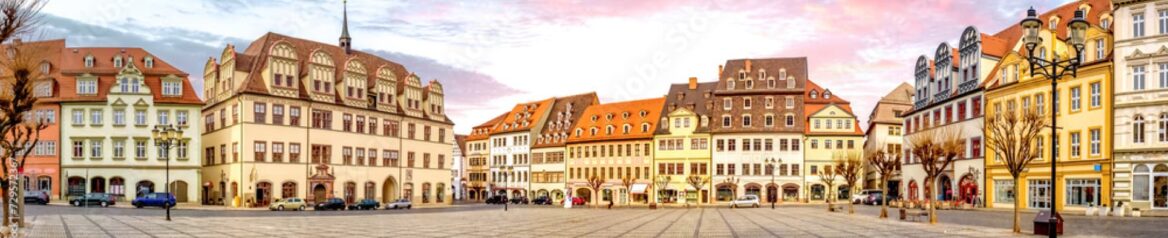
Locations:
column 318, row 193
column 179, row 189
column 1160, row 191
column 946, row 192
column 263, row 194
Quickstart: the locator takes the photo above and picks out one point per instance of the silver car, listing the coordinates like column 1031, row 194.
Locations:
column 399, row 204
column 745, row 201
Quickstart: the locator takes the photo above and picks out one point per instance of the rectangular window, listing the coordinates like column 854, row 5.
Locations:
column 181, row 117
column 78, row 117
column 163, row 117
column 1075, row 145
column 1004, row 191
column 95, row 117
column 1040, row 103
column 1137, row 25
column 95, row 149
column 1039, row 193
column 976, row 107
column 277, row 114
column 1076, row 101
column 294, row 116
column 1163, row 23
column 261, row 151
column 293, row 153
column 119, row 149
column 1138, row 77
column 277, row 152
column 140, row 149
column 261, row 113
column 1096, row 94
column 1095, row 141
column 1100, row 49
column 1082, row 192
column 140, row 118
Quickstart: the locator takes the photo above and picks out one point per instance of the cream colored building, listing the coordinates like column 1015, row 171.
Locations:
column 832, row 132
column 683, row 144
column 612, row 142
column 886, row 132
column 1141, row 159
column 548, row 170
column 111, row 99
column 289, row 117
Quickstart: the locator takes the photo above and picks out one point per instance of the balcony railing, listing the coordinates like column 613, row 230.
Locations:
column 941, row 96
column 966, row 86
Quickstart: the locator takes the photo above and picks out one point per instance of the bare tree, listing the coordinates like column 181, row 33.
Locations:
column 628, row 183
column 662, row 184
column 848, row 165
column 936, row 149
column 1012, row 137
column 595, row 182
column 17, row 17
column 886, row 165
column 827, row 176
column 698, row 182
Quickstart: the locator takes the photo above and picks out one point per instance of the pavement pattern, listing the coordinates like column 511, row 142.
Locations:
column 517, row 222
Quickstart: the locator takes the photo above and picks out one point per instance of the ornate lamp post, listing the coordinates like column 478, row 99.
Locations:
column 166, row 136
column 1054, row 70
column 771, row 163
column 506, row 182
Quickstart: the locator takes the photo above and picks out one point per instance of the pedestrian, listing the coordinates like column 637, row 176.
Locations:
column 610, row 204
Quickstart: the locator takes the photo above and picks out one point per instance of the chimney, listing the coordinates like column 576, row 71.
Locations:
column 748, row 66
column 719, row 72
column 693, row 83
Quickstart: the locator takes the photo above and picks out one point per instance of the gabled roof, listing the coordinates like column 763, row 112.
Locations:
column 70, row 62
column 696, row 100
column 1013, row 34
column 304, row 49
column 816, row 108
column 564, row 114
column 524, row 116
column 483, row 131
column 813, row 87
column 460, row 141
column 616, row 115
column 795, row 67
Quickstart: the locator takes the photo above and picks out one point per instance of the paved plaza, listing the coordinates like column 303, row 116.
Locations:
column 491, row 221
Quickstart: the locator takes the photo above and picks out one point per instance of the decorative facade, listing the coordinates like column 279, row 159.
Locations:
column 510, row 141
column 477, row 152
column 42, row 169
column 832, row 132
column 1141, row 105
column 683, row 143
column 548, row 169
column 613, row 143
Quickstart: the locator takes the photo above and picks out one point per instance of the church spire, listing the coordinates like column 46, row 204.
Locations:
column 345, row 40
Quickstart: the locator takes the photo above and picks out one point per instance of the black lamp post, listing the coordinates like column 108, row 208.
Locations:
column 774, row 197
column 166, row 136
column 506, row 182
column 1054, row 70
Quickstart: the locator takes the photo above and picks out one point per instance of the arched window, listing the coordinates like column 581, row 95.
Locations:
column 826, row 94
column 626, row 128
column 644, row 127
column 608, row 130
column 1138, row 129
column 790, row 120
column 594, row 130
column 814, row 94
column 725, row 121
column 579, row 132
column 1141, row 186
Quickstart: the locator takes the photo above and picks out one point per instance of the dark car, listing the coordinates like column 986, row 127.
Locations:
column 365, row 204
column 497, row 199
column 162, row 200
column 519, row 200
column 331, row 204
column 36, row 197
column 875, row 198
column 542, row 200
column 101, row 199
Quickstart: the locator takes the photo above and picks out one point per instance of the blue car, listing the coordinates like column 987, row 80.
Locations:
column 154, row 200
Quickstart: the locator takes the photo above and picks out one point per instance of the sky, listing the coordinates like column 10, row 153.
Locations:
column 490, row 55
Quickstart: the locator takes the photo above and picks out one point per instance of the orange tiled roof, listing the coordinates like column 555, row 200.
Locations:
column 812, row 86
column 1011, row 35
column 71, row 63
column 992, row 45
column 634, row 113
column 524, row 116
column 483, row 131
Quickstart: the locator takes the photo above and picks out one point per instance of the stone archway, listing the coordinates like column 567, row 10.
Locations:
column 389, row 190
column 946, row 185
column 790, row 192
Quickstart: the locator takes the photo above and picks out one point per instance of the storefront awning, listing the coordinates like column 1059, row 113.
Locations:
column 639, row 188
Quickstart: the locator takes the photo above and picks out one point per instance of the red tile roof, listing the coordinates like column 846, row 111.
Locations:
column 617, row 115
column 524, row 116
column 69, row 63
column 483, row 131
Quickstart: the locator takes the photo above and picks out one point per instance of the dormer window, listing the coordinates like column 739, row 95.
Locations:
column 644, row 127
column 762, row 75
column 45, row 68
column 791, row 82
column 89, row 61
column 730, row 85
column 118, row 62
column 826, row 94
column 814, row 94
column 171, row 87
column 87, row 86
column 149, row 62
column 609, row 129
column 741, row 75
column 1054, row 23
column 644, row 113
column 626, row 129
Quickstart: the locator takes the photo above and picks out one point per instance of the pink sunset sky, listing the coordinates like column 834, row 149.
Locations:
column 493, row 54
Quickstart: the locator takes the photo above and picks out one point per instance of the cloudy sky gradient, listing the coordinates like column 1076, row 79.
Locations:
column 493, row 54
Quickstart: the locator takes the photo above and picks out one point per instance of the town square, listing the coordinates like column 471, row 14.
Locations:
column 653, row 118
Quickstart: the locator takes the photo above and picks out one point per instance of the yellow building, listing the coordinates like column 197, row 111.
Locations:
column 477, row 151
column 613, row 141
column 1083, row 106
column 290, row 117
column 832, row 130
column 683, row 143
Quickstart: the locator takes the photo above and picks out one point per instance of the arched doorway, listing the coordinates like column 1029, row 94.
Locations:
column 263, row 193
column 76, row 186
column 790, row 192
column 557, row 195
column 483, row 194
column 817, row 192
column 584, row 194
column 913, row 190
column 144, row 187
column 408, row 191
column 179, row 189
column 389, row 190
column 97, row 185
column 541, row 193
column 117, row 187
column 288, row 190
column 516, row 193
column 968, row 189
column 426, row 192
column 222, row 192
column 319, row 193
column 754, row 189
column 772, row 193
column 946, row 185
column 724, row 192
column 440, row 193
column 350, row 192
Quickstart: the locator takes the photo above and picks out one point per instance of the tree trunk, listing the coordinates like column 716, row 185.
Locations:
column 4, row 190
column 884, row 197
column 1017, row 207
column 851, row 205
column 932, row 203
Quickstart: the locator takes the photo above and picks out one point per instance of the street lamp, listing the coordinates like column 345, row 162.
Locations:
column 506, row 183
column 166, row 136
column 1054, row 70
column 774, row 197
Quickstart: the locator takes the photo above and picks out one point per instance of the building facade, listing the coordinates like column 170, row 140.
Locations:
column 510, row 141
column 478, row 149
column 114, row 97
column 548, row 168
column 758, row 104
column 683, row 143
column 1141, row 107
column 458, row 176
column 1083, row 106
column 612, row 142
column 886, row 132
column 42, row 167
column 289, row 117
column 832, row 132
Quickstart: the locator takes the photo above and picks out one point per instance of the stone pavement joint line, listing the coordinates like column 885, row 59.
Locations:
column 518, row 222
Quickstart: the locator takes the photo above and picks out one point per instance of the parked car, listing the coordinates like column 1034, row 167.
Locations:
column 875, row 198
column 745, row 201
column 36, row 197
column 101, row 199
column 365, row 204
column 497, row 199
column 519, row 200
column 287, row 203
column 576, row 201
column 862, row 197
column 162, row 200
column 399, row 204
column 330, row 204
column 542, row 200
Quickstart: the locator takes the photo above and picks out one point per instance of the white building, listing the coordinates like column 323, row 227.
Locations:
column 510, row 157
column 1141, row 107
column 458, row 168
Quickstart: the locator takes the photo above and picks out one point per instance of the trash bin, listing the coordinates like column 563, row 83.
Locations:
column 1042, row 223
